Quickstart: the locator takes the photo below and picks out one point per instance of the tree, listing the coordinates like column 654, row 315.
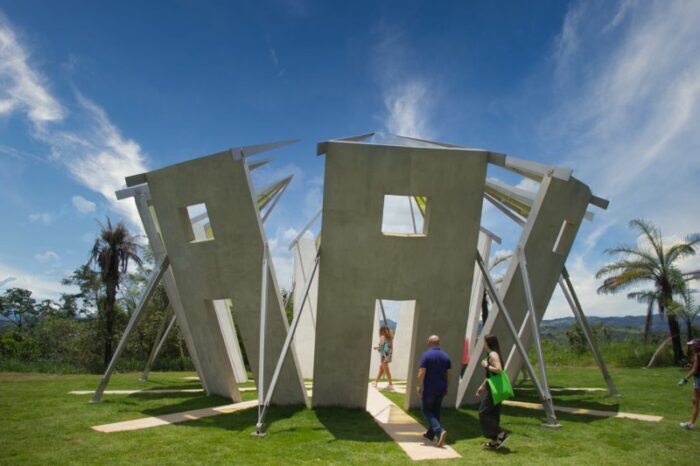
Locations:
column 652, row 264
column 687, row 310
column 111, row 253
column 18, row 306
column 89, row 283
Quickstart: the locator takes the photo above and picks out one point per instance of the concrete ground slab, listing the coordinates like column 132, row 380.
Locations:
column 404, row 429
column 174, row 418
column 567, row 389
column 139, row 392
column 587, row 412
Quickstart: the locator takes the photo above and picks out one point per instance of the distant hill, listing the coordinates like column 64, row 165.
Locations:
column 634, row 322
column 619, row 328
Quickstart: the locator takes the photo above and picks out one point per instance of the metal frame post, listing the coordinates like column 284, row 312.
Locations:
column 160, row 339
column 568, row 289
column 548, row 404
column 259, row 430
column 156, row 276
column 491, row 289
column 381, row 307
column 260, row 426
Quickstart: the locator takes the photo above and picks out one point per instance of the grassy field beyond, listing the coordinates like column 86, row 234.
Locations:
column 43, row 424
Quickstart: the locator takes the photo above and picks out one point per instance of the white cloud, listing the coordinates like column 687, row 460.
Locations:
column 7, row 281
column 41, row 287
column 45, row 257
column 408, row 96
column 626, row 113
column 21, row 87
column 83, row 205
column 94, row 151
column 409, row 107
column 41, row 217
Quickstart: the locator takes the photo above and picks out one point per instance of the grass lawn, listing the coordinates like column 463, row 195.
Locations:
column 42, row 424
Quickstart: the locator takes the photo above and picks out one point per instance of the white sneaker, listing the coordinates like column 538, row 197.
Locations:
column 687, row 425
column 374, row 384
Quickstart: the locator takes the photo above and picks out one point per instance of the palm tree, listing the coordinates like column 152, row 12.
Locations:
column 654, row 264
column 687, row 310
column 113, row 250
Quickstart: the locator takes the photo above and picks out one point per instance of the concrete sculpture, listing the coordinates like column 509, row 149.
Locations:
column 205, row 225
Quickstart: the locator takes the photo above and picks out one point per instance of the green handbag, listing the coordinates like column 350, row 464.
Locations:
column 500, row 387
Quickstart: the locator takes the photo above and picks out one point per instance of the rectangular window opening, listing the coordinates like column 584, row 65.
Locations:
column 405, row 215
column 195, row 219
column 399, row 319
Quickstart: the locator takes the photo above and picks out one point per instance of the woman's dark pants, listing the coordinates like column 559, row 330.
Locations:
column 490, row 416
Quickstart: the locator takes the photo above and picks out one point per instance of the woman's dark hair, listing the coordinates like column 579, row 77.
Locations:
column 386, row 332
column 492, row 343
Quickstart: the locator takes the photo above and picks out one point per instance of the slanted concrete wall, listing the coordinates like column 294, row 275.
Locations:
column 359, row 264
column 557, row 201
column 227, row 267
column 304, row 253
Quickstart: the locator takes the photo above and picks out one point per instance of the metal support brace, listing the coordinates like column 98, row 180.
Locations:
column 306, row 227
column 568, row 289
column 148, row 293
column 381, row 307
column 260, row 426
column 261, row 347
column 509, row 213
column 278, row 196
column 491, row 289
column 413, row 217
column 548, row 404
column 163, row 334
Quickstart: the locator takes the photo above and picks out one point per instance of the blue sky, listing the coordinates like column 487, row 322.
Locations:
column 93, row 91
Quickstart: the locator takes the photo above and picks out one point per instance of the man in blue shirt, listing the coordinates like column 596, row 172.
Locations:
column 433, row 379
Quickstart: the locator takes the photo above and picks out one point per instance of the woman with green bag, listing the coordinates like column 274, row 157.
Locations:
column 496, row 390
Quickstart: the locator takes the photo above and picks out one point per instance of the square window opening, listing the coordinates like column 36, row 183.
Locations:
column 195, row 220
column 405, row 215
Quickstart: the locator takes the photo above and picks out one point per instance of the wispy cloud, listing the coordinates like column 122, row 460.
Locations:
column 22, row 88
column 41, row 217
column 98, row 156
column 82, row 205
column 41, row 287
column 408, row 96
column 93, row 150
column 47, row 256
column 626, row 109
column 7, row 281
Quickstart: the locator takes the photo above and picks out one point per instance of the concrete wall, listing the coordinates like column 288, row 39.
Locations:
column 359, row 264
column 305, row 337
column 557, row 201
column 227, row 267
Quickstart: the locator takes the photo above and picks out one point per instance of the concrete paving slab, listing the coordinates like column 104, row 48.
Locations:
column 587, row 412
column 174, row 418
column 139, row 392
column 150, row 392
column 404, row 429
column 567, row 389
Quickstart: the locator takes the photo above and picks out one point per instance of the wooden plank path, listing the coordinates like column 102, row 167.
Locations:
column 174, row 418
column 404, row 430
column 587, row 412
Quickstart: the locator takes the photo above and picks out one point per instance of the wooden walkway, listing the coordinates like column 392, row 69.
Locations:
column 404, row 429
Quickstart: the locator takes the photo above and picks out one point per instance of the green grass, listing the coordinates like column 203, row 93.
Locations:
column 42, row 424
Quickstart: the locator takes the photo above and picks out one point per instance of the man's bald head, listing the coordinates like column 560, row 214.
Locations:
column 434, row 340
